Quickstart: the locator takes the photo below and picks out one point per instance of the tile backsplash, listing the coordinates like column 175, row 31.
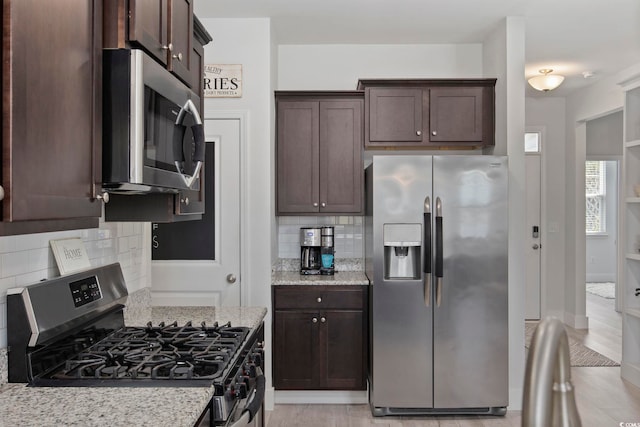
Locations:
column 348, row 234
column 28, row 258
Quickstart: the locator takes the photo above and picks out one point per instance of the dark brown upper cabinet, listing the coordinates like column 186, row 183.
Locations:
column 319, row 153
column 164, row 28
column 51, row 115
column 429, row 113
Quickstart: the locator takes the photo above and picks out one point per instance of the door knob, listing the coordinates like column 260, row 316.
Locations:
column 231, row 278
column 535, row 246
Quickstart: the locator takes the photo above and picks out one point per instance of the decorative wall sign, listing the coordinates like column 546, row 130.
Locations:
column 70, row 255
column 223, row 81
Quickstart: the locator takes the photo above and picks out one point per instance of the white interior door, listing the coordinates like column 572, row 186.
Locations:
column 210, row 282
column 534, row 246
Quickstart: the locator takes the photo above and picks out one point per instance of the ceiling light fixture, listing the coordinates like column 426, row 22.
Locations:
column 546, row 81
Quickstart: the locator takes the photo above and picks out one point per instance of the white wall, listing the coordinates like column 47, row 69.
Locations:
column 338, row 67
column 548, row 115
column 503, row 57
column 597, row 100
column 27, row 259
column 249, row 42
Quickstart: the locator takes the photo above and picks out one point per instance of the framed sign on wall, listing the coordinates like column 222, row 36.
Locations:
column 223, row 81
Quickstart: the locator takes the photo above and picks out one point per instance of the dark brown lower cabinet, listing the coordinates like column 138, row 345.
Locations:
column 320, row 337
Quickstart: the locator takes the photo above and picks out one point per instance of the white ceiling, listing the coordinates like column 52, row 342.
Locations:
column 570, row 36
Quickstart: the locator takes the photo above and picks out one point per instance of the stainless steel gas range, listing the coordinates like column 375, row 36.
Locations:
column 69, row 331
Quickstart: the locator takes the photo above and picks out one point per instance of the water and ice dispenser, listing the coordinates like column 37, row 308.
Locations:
column 402, row 243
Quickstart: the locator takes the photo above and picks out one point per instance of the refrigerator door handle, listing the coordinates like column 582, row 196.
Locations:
column 439, row 252
column 426, row 264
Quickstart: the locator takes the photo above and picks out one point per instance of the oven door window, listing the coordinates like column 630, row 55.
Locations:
column 164, row 141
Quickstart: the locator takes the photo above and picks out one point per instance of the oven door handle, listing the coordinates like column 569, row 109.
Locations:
column 254, row 405
column 198, row 139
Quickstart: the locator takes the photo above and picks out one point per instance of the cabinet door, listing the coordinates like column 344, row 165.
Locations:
column 394, row 115
column 342, row 342
column 52, row 113
column 181, row 36
column 197, row 72
column 298, row 157
column 295, row 358
column 149, row 26
column 341, row 170
column 455, row 114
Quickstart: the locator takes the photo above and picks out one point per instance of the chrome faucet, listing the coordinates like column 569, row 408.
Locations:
column 549, row 398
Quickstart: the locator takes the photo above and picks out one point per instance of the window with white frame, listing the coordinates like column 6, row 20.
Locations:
column 595, row 184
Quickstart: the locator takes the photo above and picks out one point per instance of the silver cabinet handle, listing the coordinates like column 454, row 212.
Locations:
column 418, row 132
column 322, row 319
column 434, row 133
column 319, row 299
column 178, row 56
column 231, row 278
column 314, row 320
column 324, row 205
column 315, row 204
column 168, row 47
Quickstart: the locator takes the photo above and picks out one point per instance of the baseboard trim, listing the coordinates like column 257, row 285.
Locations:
column 321, row 397
column 577, row 322
column 630, row 372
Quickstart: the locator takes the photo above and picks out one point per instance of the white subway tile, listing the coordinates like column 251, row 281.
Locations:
column 15, row 263
column 7, row 244
column 7, row 283
column 31, row 277
column 38, row 259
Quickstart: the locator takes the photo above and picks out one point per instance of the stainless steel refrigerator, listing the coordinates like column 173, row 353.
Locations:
column 436, row 251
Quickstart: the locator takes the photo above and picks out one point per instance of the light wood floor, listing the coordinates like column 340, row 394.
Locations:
column 603, row 398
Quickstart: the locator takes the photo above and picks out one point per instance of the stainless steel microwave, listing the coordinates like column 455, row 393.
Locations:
column 153, row 138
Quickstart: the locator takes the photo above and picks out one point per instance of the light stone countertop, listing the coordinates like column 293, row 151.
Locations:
column 339, row 278
column 122, row 406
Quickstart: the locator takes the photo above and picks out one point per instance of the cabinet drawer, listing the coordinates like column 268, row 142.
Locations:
column 318, row 297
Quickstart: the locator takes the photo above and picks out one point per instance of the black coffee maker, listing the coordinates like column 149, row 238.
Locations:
column 310, row 244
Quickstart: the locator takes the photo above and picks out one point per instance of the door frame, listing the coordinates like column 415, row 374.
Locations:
column 620, row 253
column 542, row 131
column 242, row 117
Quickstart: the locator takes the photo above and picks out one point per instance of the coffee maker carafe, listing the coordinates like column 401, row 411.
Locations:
column 310, row 243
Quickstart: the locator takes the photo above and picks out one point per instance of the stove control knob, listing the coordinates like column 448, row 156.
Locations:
column 251, row 370
column 242, row 391
column 257, row 359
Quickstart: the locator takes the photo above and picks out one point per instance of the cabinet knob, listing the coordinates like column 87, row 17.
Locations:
column 434, row 133
column 314, row 320
column 418, row 132
column 168, row 47
column 1, row 193
column 102, row 196
column 319, row 299
column 178, row 56
column 315, row 204
column 322, row 319
column 185, row 201
column 324, row 205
